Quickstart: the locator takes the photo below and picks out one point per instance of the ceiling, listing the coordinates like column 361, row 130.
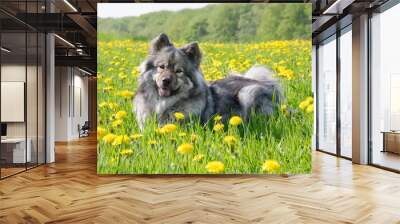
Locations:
column 330, row 15
column 74, row 22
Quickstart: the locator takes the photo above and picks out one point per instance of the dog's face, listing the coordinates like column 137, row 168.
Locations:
column 170, row 71
column 171, row 68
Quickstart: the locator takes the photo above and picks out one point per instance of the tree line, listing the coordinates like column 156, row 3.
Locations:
column 217, row 23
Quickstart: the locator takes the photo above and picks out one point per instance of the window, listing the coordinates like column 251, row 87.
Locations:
column 327, row 96
column 15, row 148
column 22, row 77
column 385, row 89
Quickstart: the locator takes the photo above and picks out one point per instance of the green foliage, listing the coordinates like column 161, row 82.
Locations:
column 216, row 23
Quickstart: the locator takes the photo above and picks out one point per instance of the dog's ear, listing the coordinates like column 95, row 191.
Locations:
column 192, row 50
column 159, row 43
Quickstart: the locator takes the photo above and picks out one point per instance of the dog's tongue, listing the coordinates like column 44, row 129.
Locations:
column 164, row 92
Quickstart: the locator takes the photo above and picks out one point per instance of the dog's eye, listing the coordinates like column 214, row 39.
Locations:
column 179, row 71
column 161, row 66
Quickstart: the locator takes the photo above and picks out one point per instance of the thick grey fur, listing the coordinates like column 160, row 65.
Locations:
column 188, row 92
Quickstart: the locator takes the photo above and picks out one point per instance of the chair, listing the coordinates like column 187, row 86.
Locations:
column 84, row 130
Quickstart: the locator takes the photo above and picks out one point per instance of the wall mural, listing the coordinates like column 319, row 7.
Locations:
column 204, row 89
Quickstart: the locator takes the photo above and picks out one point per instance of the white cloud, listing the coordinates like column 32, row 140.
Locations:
column 117, row 10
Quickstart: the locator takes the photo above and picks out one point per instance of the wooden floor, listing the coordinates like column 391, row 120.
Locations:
column 11, row 170
column 69, row 191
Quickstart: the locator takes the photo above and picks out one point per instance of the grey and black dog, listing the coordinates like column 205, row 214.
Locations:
column 171, row 81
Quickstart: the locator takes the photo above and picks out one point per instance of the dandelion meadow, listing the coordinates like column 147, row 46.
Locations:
column 278, row 144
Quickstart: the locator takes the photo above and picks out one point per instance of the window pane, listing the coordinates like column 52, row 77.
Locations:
column 327, row 96
column 346, row 94
column 31, row 97
column 14, row 153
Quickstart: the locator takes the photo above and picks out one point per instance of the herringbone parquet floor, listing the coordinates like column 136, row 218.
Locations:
column 69, row 191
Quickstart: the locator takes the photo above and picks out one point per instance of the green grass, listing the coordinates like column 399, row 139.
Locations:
column 283, row 136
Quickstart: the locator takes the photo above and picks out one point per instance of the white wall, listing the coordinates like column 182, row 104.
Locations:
column 70, row 83
column 80, row 84
column 11, row 72
column 62, row 82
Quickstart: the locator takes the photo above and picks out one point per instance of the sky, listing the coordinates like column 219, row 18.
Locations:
column 117, row 10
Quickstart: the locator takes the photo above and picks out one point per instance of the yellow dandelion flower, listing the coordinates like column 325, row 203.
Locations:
column 287, row 74
column 117, row 123
column 215, row 167
column 218, row 127
column 270, row 165
column 108, row 88
column 111, row 161
column 120, row 139
column 179, row 116
column 136, row 136
column 160, row 131
column 198, row 157
column 100, row 132
column 193, row 137
column 126, row 94
column 182, row 134
column 217, row 118
column 126, row 152
column 107, row 80
column 235, row 121
column 310, row 108
column 152, row 142
column 134, row 72
column 103, row 104
column 304, row 104
column 120, row 114
column 112, row 106
column 230, row 140
column 168, row 128
column 109, row 138
column 122, row 76
column 172, row 139
column 310, row 99
column 284, row 108
column 185, row 148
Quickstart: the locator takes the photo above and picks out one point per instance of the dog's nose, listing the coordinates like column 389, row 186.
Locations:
column 166, row 81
